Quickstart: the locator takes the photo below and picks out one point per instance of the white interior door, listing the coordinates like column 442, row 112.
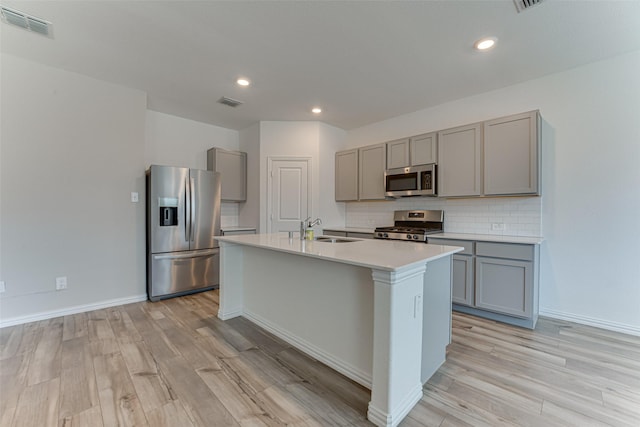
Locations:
column 289, row 193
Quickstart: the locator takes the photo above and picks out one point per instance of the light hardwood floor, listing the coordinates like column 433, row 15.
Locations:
column 173, row 363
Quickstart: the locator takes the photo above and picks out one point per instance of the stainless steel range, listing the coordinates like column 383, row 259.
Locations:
column 412, row 226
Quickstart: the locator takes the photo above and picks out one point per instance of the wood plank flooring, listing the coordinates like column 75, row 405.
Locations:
column 173, row 363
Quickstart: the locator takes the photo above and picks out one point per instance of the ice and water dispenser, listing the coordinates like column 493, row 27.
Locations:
column 168, row 211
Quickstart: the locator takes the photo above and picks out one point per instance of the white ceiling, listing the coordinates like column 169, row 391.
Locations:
column 361, row 61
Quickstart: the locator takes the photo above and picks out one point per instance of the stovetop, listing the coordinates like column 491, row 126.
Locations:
column 412, row 226
column 413, row 230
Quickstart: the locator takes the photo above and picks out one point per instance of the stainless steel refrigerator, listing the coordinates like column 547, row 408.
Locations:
column 183, row 219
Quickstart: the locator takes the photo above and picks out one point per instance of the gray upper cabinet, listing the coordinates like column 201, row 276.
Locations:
column 372, row 164
column 511, row 155
column 232, row 166
column 398, row 154
column 346, row 175
column 459, row 161
column 424, row 149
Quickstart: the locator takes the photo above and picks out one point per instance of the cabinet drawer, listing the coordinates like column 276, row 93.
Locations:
column 505, row 250
column 466, row 244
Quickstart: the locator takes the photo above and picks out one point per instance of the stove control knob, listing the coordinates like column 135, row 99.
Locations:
column 415, row 237
column 385, row 235
column 409, row 236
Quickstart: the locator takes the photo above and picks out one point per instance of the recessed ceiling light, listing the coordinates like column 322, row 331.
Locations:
column 316, row 110
column 485, row 43
column 243, row 82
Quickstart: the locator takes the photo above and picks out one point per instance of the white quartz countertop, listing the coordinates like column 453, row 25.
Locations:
column 350, row 229
column 488, row 238
column 386, row 255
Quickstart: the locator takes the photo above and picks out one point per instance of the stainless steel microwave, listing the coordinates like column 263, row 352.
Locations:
column 411, row 181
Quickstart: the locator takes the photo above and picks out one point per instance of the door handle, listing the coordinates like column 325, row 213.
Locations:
column 187, row 213
column 187, row 255
column 193, row 209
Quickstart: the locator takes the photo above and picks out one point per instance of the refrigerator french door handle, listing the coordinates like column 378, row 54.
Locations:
column 187, row 213
column 188, row 255
column 193, row 209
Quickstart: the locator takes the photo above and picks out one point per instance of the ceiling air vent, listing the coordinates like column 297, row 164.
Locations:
column 229, row 102
column 522, row 5
column 27, row 22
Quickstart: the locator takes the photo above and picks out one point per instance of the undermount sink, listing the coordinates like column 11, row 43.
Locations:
column 333, row 239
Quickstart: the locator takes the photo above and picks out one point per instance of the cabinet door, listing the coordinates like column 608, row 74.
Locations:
column 511, row 155
column 504, row 286
column 232, row 166
column 424, row 149
column 372, row 165
column 462, row 281
column 398, row 154
column 459, row 155
column 346, row 175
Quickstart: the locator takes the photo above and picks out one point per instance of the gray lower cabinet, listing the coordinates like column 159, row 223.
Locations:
column 462, row 281
column 498, row 281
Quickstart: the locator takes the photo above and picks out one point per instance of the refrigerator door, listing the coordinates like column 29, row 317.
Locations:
column 205, row 208
column 178, row 273
column 168, row 209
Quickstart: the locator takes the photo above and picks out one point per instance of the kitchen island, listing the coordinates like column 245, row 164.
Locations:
column 377, row 311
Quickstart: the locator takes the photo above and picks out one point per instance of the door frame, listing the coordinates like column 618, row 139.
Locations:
column 270, row 161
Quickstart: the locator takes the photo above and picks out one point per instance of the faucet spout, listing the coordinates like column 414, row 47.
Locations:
column 303, row 227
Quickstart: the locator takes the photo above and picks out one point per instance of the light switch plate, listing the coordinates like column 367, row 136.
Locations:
column 61, row 283
column 134, row 197
column 2, row 287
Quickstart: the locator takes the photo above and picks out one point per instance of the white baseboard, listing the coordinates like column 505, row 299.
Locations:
column 591, row 321
column 71, row 310
column 381, row 418
column 344, row 368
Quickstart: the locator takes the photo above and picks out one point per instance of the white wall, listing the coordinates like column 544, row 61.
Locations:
column 175, row 141
column 72, row 151
column 591, row 202
column 314, row 140
column 249, row 214
column 331, row 139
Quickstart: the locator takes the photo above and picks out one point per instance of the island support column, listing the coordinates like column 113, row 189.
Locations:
column 397, row 344
column 231, row 281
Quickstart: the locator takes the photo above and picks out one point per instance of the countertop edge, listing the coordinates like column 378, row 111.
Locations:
column 525, row 240
column 243, row 241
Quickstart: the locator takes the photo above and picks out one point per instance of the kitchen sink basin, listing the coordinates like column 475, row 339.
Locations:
column 333, row 239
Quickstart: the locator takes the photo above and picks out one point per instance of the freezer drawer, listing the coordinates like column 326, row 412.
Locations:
column 179, row 273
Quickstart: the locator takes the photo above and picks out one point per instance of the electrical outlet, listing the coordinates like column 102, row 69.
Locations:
column 497, row 226
column 61, row 283
column 2, row 287
column 134, row 197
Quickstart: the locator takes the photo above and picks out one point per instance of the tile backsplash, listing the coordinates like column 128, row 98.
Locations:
column 509, row 216
column 228, row 214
